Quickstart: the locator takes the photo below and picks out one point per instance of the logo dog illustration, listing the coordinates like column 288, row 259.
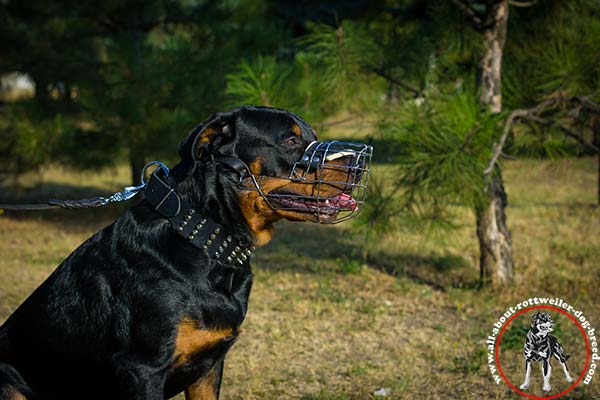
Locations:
column 541, row 346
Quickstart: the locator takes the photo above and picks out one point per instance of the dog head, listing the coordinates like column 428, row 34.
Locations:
column 267, row 179
column 541, row 323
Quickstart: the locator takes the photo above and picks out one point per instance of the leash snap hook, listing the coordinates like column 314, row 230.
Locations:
column 130, row 191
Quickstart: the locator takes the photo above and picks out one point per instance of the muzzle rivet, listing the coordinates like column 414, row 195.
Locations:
column 209, row 242
column 229, row 259
column 217, row 229
column 213, row 236
column 195, row 231
column 229, row 238
column 192, row 211
column 237, row 248
column 203, row 221
column 248, row 253
column 225, row 244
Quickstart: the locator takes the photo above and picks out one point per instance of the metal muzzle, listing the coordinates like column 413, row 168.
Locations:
column 338, row 174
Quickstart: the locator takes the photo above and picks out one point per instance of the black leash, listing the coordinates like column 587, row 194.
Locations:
column 57, row 203
column 127, row 193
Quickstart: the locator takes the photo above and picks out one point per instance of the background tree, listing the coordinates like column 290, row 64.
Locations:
column 122, row 79
column 495, row 247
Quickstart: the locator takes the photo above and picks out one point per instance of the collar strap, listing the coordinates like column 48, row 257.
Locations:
column 200, row 231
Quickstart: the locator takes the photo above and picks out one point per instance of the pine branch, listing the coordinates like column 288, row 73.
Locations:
column 471, row 15
column 498, row 147
column 381, row 73
column 587, row 103
column 534, row 114
column 570, row 133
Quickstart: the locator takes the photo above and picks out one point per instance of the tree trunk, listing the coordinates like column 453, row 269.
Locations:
column 494, row 37
column 495, row 246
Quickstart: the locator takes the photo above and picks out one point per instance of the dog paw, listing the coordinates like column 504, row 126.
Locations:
column 524, row 386
column 547, row 388
column 569, row 379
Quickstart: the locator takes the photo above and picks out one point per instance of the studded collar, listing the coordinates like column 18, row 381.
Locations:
column 198, row 230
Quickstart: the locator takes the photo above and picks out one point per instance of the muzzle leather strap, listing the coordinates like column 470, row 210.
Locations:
column 236, row 164
column 200, row 231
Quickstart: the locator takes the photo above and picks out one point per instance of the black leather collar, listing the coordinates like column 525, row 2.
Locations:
column 200, row 231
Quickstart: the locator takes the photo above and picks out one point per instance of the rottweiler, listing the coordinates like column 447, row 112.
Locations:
column 148, row 307
column 541, row 346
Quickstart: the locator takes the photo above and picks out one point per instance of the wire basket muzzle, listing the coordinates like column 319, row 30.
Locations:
column 338, row 175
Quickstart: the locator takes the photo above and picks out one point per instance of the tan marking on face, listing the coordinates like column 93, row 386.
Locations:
column 296, row 130
column 204, row 388
column 191, row 339
column 12, row 392
column 259, row 216
column 256, row 166
column 205, row 135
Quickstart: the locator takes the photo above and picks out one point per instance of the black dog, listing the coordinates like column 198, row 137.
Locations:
column 148, row 307
column 541, row 346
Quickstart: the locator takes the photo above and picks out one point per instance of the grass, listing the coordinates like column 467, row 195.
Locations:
column 326, row 325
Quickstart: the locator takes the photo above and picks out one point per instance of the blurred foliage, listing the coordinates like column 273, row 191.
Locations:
column 124, row 79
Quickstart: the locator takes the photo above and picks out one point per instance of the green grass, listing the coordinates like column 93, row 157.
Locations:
column 324, row 324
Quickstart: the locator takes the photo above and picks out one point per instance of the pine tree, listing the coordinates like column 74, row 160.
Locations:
column 446, row 109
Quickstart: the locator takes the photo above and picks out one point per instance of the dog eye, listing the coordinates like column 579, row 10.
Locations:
column 292, row 141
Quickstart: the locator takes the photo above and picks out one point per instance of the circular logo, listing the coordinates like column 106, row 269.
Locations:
column 542, row 352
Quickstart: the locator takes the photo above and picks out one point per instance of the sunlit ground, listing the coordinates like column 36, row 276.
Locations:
column 323, row 326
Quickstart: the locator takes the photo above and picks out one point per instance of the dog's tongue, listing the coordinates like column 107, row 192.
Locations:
column 344, row 201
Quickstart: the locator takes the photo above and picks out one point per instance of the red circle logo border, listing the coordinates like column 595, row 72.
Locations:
column 587, row 355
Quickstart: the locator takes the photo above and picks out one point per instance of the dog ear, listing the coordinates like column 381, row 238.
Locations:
column 216, row 134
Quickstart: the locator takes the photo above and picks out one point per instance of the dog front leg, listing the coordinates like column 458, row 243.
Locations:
column 525, row 384
column 566, row 370
column 207, row 387
column 546, row 371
